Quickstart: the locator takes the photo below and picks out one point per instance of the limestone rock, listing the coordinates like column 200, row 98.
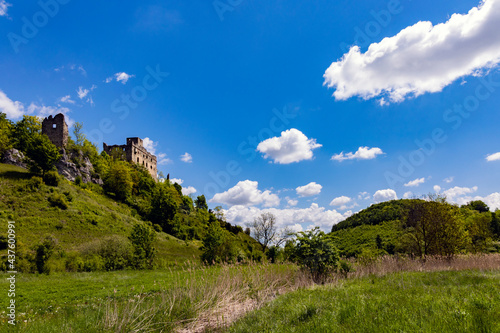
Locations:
column 14, row 157
column 72, row 165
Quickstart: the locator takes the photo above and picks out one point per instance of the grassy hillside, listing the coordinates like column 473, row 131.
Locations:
column 90, row 216
column 426, row 302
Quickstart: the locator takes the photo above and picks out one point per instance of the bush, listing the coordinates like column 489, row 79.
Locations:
column 317, row 254
column 142, row 238
column 51, row 178
column 78, row 181
column 68, row 195
column 43, row 252
column 34, row 184
column 57, row 200
column 110, row 253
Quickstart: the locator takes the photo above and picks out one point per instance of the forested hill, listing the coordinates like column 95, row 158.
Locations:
column 378, row 213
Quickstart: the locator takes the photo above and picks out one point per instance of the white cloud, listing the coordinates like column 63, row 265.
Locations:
column 290, row 217
column 66, row 99
column 119, row 77
column 493, row 157
column 340, row 201
column 13, row 110
column 363, row 153
column 150, row 145
column 292, row 202
column 437, row 188
column 188, row 190
column 82, row 92
column 385, row 195
column 43, row 111
column 309, row 190
column 364, row 196
column 453, row 193
column 492, row 200
column 246, row 193
column 421, row 58
column 408, row 195
column 415, row 183
column 4, row 5
column 187, row 158
column 449, row 180
column 292, row 146
column 176, row 180
column 163, row 160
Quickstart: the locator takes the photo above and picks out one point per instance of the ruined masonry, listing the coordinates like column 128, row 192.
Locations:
column 134, row 151
column 56, row 129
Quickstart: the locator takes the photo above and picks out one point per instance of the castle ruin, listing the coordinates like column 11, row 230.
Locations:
column 134, row 151
column 56, row 129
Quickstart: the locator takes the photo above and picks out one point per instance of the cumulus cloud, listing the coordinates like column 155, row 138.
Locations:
column 292, row 146
column 188, row 190
column 187, row 158
column 493, row 157
column 421, row 58
column 43, row 111
column 150, row 145
column 408, row 195
column 313, row 216
column 163, row 160
column 364, row 196
column 340, row 201
column 246, row 193
column 292, row 202
column 13, row 110
column 437, row 188
column 456, row 192
column 415, row 183
column 385, row 195
column 120, row 77
column 82, row 93
column 176, row 180
column 4, row 6
column 363, row 153
column 309, row 190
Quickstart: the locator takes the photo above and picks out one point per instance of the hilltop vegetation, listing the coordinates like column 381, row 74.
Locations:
column 419, row 228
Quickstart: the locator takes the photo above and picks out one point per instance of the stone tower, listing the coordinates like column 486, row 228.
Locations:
column 56, row 129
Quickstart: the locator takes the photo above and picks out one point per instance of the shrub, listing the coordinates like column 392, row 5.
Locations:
column 51, row 178
column 57, row 200
column 74, row 262
column 78, row 181
column 110, row 253
column 142, row 238
column 34, row 184
column 43, row 252
column 316, row 253
column 345, row 267
column 68, row 196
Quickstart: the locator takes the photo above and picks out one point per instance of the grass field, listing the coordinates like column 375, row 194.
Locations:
column 466, row 301
column 139, row 301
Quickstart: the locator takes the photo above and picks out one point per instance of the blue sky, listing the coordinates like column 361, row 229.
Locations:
column 312, row 111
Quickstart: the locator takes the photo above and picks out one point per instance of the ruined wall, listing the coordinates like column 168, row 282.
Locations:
column 56, row 129
column 134, row 151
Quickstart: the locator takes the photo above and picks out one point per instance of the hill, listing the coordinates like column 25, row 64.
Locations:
column 418, row 227
column 90, row 219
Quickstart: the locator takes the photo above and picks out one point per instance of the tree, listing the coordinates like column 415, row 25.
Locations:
column 42, row 154
column 478, row 205
column 201, row 202
column 79, row 135
column 142, row 238
column 118, row 180
column 5, row 133
column 43, row 252
column 164, row 205
column 24, row 130
column 435, row 228
column 315, row 251
column 213, row 243
column 265, row 231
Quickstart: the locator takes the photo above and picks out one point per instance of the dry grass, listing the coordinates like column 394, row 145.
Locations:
column 210, row 300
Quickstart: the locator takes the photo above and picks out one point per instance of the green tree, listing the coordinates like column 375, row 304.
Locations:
column 43, row 252
column 5, row 133
column 213, row 243
column 143, row 237
column 24, row 131
column 42, row 154
column 118, row 180
column 315, row 251
column 201, row 202
column 165, row 203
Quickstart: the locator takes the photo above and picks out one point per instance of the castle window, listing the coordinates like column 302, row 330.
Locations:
column 137, row 159
column 146, row 165
column 151, row 167
column 54, row 125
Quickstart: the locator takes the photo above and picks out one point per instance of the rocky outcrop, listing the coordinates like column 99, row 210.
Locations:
column 73, row 165
column 14, row 157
